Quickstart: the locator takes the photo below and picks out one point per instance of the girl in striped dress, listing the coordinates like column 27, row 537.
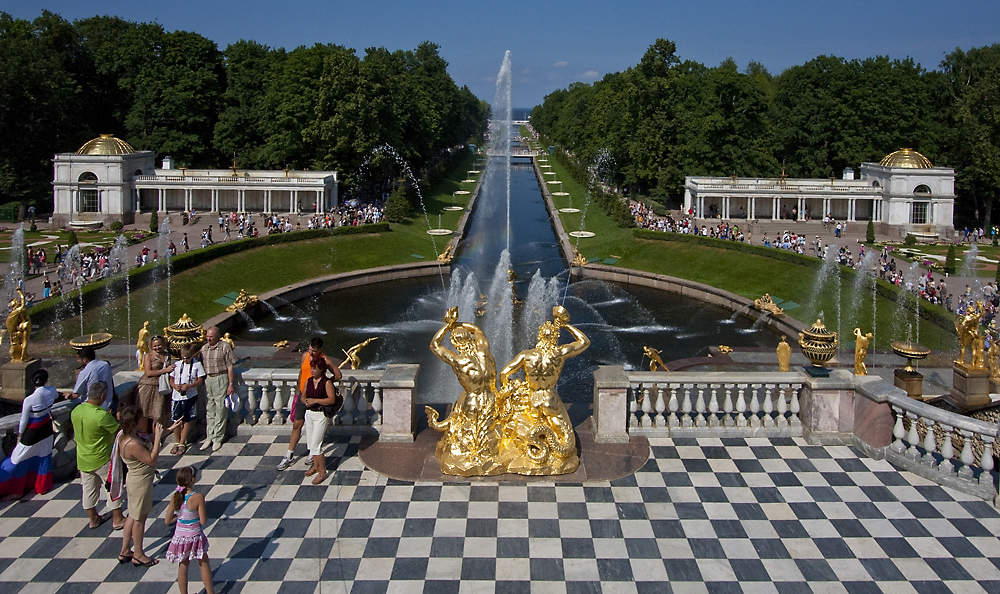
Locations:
column 188, row 510
column 29, row 466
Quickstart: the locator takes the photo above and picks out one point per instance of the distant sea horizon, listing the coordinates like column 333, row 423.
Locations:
column 520, row 113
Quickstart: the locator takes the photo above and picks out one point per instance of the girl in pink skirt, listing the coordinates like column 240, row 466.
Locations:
column 187, row 509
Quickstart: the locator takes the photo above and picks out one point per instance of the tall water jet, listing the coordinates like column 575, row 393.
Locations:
column 15, row 270
column 969, row 264
column 500, row 128
column 119, row 265
column 163, row 250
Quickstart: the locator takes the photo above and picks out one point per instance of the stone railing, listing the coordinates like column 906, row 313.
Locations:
column 375, row 401
column 865, row 411
column 691, row 404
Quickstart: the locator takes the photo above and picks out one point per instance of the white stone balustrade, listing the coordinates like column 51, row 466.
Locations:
column 714, row 403
column 265, row 399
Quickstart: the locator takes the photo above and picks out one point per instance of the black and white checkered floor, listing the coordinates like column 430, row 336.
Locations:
column 705, row 515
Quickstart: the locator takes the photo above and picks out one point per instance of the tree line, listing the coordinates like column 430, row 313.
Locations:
column 665, row 118
column 176, row 93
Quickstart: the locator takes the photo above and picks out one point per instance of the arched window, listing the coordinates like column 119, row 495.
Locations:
column 875, row 184
column 89, row 199
column 922, row 190
column 137, row 173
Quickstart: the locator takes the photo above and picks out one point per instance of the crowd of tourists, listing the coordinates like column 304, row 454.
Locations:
column 119, row 443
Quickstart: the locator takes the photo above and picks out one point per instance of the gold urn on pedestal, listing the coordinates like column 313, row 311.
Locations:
column 182, row 333
column 818, row 344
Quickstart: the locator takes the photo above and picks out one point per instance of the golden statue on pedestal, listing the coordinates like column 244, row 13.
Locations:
column 654, row 358
column 967, row 329
column 766, row 304
column 861, row 343
column 784, row 352
column 523, row 427
column 142, row 344
column 352, row 354
column 471, row 439
column 19, row 327
column 243, row 301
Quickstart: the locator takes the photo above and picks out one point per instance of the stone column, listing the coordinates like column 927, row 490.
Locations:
column 752, row 210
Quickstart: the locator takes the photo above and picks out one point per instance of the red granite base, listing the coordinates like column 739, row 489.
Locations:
column 416, row 461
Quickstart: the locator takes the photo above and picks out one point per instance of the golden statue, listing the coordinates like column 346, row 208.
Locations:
column 861, row 351
column 538, row 437
column 766, row 304
column 281, row 344
column 19, row 328
column 243, row 301
column 228, row 339
column 142, row 344
column 579, row 259
column 471, row 441
column 654, row 358
column 352, row 353
column 523, row 427
column 979, row 352
column 784, row 354
column 725, row 349
column 967, row 329
column 444, row 257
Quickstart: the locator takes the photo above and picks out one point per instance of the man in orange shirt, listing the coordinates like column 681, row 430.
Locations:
column 298, row 411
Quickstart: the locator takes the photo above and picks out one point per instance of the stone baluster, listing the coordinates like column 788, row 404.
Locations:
column 966, row 457
column 363, row 406
column 686, row 408
column 253, row 401
column 700, row 408
column 755, row 406
column 795, row 421
column 741, row 406
column 633, row 406
column 661, row 407
column 947, row 465
column 768, row 407
column 347, row 412
column 281, row 401
column 674, row 407
column 713, row 407
column 265, row 401
column 647, row 408
column 898, row 431
column 377, row 407
column 727, row 407
column 986, row 461
column 912, row 438
column 782, row 419
column 930, row 446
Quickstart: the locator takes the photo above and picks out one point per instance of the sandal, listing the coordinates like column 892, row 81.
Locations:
column 181, row 449
column 175, row 450
column 319, row 478
column 312, row 471
column 149, row 562
column 123, row 559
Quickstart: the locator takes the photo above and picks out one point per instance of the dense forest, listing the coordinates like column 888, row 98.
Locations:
column 666, row 118
column 176, row 93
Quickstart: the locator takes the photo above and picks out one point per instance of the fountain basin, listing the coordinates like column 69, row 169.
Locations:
column 96, row 341
column 910, row 351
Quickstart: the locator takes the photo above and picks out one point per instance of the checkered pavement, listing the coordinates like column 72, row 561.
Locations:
column 702, row 515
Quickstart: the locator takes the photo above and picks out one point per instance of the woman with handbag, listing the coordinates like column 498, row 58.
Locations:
column 30, row 464
column 153, row 387
column 321, row 402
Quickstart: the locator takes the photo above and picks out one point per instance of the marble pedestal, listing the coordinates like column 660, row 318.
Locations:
column 970, row 388
column 15, row 379
column 910, row 381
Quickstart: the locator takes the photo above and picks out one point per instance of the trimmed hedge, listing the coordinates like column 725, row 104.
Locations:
column 935, row 314
column 93, row 293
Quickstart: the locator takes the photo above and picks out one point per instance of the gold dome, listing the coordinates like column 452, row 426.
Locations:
column 907, row 159
column 106, row 144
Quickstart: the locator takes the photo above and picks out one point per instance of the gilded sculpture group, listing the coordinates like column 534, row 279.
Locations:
column 972, row 340
column 523, row 426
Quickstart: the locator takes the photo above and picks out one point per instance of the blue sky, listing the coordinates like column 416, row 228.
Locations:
column 554, row 43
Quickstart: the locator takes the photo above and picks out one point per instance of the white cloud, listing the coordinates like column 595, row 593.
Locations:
column 561, row 64
column 591, row 75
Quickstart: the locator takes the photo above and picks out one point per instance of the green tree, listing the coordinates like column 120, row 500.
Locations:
column 240, row 130
column 949, row 260
column 154, row 222
column 870, row 233
column 177, row 100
